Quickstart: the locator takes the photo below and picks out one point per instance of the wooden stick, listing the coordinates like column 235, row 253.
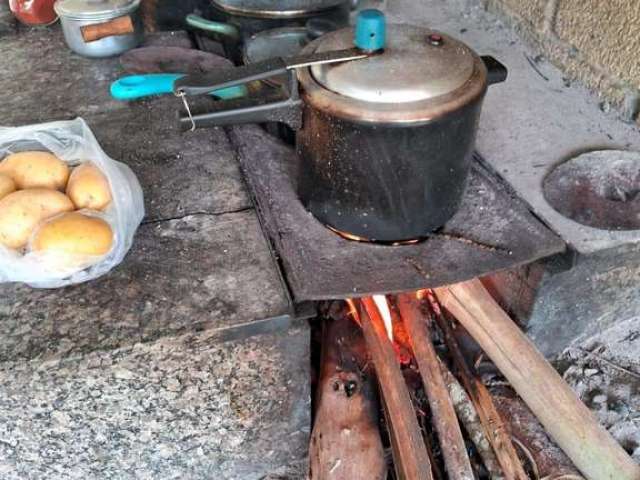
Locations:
column 345, row 442
column 454, row 451
column 494, row 427
column 568, row 421
column 471, row 421
column 409, row 453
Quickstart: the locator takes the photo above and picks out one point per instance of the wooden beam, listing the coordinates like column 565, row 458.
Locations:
column 567, row 420
column 454, row 451
column 409, row 453
column 345, row 442
column 493, row 425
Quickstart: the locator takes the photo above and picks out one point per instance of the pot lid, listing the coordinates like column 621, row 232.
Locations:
column 276, row 8
column 90, row 9
column 417, row 64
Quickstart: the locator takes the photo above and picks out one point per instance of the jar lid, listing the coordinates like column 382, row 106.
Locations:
column 417, row 64
column 94, row 9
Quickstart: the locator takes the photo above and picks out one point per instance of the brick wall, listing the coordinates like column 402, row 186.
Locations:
column 596, row 42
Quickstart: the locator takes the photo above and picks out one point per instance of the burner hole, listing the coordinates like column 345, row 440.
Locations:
column 600, row 189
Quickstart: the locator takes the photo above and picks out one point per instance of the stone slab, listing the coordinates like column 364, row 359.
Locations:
column 200, row 272
column 534, row 120
column 180, row 173
column 180, row 408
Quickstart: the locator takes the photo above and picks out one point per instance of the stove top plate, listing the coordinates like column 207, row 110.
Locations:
column 492, row 231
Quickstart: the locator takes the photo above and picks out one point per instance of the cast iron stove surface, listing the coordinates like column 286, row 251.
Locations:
column 492, row 231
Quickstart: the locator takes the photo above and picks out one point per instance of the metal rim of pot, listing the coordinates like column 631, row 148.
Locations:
column 262, row 12
column 412, row 112
column 91, row 9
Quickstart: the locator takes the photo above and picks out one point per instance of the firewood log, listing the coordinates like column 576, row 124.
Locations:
column 411, row 460
column 452, row 444
column 567, row 420
column 345, row 442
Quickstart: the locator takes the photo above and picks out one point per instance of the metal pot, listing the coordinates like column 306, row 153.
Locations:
column 233, row 26
column 277, row 8
column 100, row 28
column 385, row 131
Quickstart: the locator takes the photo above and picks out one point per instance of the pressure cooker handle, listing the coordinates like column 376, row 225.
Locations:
column 496, row 71
column 198, row 84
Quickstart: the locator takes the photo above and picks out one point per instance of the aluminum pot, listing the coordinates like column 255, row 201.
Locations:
column 385, row 141
column 100, row 28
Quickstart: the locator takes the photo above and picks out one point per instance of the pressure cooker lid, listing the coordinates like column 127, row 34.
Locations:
column 274, row 8
column 95, row 9
column 417, row 64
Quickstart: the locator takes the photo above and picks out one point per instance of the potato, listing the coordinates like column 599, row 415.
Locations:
column 35, row 170
column 73, row 234
column 22, row 211
column 6, row 186
column 89, row 188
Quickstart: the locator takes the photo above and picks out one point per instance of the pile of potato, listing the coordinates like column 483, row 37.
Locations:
column 39, row 196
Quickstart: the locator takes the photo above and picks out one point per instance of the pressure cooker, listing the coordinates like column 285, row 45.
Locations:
column 385, row 117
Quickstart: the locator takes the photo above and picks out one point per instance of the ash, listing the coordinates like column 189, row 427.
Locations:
column 604, row 371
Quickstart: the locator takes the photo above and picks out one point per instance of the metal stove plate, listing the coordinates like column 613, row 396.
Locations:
column 492, row 231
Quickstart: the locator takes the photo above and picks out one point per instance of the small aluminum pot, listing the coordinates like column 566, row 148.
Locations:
column 100, row 28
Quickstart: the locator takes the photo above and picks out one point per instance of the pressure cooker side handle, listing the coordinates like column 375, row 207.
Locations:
column 496, row 71
column 275, row 107
column 247, row 110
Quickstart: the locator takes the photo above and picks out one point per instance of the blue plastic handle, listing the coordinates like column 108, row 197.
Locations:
column 371, row 30
column 133, row 87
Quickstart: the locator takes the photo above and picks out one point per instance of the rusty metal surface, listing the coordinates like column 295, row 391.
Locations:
column 492, row 231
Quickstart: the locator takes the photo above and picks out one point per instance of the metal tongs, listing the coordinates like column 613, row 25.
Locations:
column 274, row 107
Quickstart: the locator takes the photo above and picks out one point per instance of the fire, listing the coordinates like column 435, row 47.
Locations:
column 385, row 313
column 383, row 308
column 347, row 235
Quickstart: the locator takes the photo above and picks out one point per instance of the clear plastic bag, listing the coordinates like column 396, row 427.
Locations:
column 73, row 142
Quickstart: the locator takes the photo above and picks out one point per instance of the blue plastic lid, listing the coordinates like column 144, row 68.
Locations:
column 371, row 30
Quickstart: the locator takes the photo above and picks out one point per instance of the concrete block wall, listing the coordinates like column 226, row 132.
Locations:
column 596, row 42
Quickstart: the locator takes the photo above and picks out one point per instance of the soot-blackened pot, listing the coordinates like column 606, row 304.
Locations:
column 385, row 135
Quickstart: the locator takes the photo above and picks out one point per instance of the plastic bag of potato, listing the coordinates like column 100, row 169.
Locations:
column 68, row 212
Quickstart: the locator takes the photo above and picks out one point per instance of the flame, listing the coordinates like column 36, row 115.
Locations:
column 347, row 235
column 356, row 238
column 385, row 313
